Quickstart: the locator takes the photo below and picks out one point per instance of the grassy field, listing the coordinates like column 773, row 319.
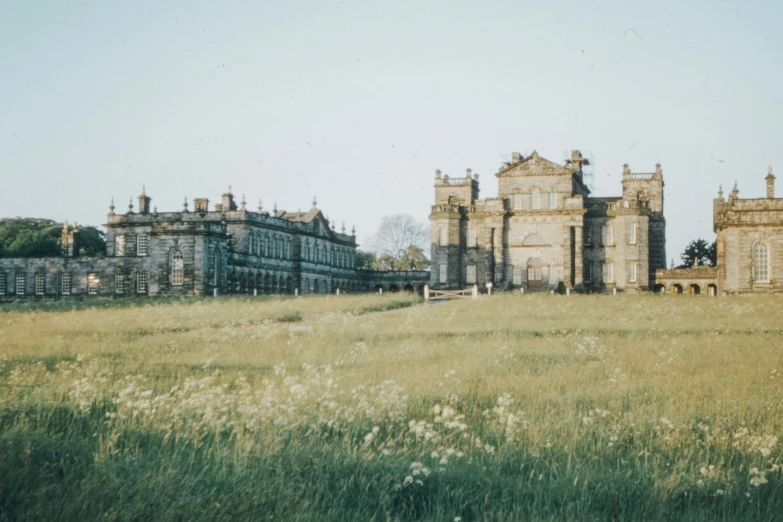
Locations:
column 385, row 408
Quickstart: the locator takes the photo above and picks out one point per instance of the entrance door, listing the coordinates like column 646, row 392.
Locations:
column 535, row 273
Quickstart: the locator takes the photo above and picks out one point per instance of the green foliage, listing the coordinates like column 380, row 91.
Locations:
column 411, row 258
column 364, row 260
column 706, row 253
column 36, row 237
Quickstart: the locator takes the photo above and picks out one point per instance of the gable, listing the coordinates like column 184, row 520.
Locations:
column 533, row 165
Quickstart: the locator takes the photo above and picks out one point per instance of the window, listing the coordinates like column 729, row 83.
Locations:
column 250, row 249
column 471, row 274
column 40, row 284
column 471, row 237
column 177, row 267
column 92, row 284
column 632, row 234
column 516, row 201
column 631, row 273
column 588, row 235
column 760, row 262
column 442, row 275
column 119, row 245
column 119, row 283
column 535, row 202
column 442, row 238
column 141, row 282
column 588, row 272
column 20, row 284
column 65, row 284
column 3, row 284
column 516, row 275
column 552, row 200
column 608, row 272
column 141, row 245
column 608, row 235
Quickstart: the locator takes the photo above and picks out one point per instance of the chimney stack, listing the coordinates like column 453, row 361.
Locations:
column 144, row 202
column 516, row 157
column 770, row 183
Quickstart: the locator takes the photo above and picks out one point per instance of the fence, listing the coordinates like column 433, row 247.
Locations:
column 447, row 295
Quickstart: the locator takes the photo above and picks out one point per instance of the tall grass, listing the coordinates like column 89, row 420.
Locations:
column 386, row 408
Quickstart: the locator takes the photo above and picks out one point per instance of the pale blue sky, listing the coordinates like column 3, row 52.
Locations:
column 359, row 102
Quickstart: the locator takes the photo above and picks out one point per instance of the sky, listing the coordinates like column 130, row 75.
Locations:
column 358, row 103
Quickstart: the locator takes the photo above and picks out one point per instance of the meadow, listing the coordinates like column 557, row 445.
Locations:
column 386, row 408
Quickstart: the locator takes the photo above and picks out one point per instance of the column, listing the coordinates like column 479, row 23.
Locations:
column 578, row 258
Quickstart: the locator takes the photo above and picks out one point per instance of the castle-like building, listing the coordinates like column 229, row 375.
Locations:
column 203, row 251
column 546, row 231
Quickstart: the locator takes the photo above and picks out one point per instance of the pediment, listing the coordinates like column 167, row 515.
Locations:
column 533, row 165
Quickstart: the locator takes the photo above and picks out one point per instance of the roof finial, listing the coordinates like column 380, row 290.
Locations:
column 229, row 189
column 111, row 207
column 275, row 209
column 244, row 203
column 185, row 204
column 720, row 190
column 769, row 170
column 143, row 190
column 343, row 229
column 353, row 230
column 130, row 205
column 315, row 202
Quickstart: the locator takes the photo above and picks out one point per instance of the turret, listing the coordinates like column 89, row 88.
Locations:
column 644, row 185
column 456, row 191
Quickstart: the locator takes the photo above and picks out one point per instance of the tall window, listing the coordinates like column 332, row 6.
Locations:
column 442, row 238
column 608, row 235
column 92, row 284
column 552, row 200
column 632, row 233
column 141, row 245
column 119, row 245
column 250, row 249
column 761, row 262
column 516, row 201
column 471, row 237
column 177, row 267
column 442, row 275
column 516, row 275
column 20, row 284
column 40, row 284
column 141, row 282
column 3, row 284
column 588, row 272
column 608, row 272
column 119, row 283
column 588, row 235
column 470, row 276
column 535, row 202
column 65, row 284
column 631, row 272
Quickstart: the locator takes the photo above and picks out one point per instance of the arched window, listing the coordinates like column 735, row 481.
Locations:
column 761, row 262
column 535, row 204
column 177, row 267
column 250, row 244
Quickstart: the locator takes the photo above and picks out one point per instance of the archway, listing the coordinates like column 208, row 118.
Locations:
column 536, row 270
column 267, row 284
column 393, row 289
column 676, row 288
column 409, row 289
column 712, row 289
column 289, row 287
column 660, row 288
column 694, row 289
column 315, row 286
column 378, row 289
column 260, row 283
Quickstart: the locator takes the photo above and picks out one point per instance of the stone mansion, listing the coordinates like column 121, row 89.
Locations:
column 546, row 231
column 203, row 251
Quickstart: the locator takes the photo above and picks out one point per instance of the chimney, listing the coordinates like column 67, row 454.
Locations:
column 144, row 202
column 228, row 201
column 201, row 205
column 770, row 183
column 516, row 157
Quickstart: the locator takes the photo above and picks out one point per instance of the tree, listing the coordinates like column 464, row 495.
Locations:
column 706, row 253
column 35, row 237
column 413, row 258
column 398, row 232
column 365, row 260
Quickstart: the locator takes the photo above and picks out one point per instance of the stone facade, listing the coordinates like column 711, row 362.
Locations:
column 229, row 249
column 545, row 231
column 750, row 241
